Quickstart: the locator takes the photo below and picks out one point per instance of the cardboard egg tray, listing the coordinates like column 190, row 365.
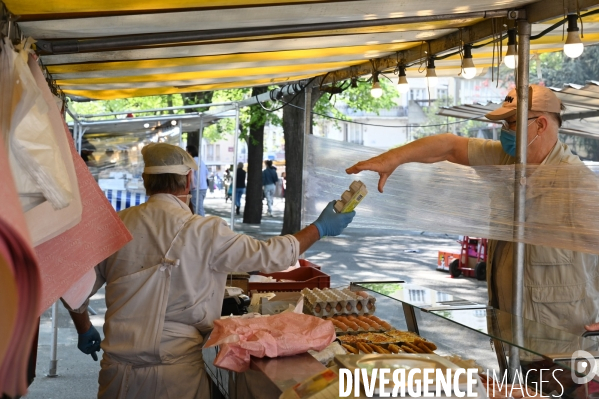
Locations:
column 330, row 302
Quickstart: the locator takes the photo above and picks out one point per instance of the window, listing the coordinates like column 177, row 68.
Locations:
column 218, row 152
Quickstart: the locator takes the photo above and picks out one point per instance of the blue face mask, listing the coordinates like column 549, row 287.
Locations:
column 508, row 141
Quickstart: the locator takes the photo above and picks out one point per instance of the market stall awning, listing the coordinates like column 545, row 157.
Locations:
column 581, row 117
column 111, row 49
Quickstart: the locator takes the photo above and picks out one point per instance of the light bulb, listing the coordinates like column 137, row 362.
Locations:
column 431, row 77
column 573, row 47
column 402, row 83
column 173, row 123
column 469, row 73
column 468, row 68
column 573, row 50
column 431, row 74
column 376, row 90
column 146, row 125
column 511, row 57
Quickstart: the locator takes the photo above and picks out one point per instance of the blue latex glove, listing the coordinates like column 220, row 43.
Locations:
column 331, row 223
column 89, row 342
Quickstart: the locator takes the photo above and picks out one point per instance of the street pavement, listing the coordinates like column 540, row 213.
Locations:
column 357, row 255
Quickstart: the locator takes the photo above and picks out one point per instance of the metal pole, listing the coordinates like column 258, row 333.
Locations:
column 235, row 147
column 307, row 131
column 54, row 343
column 520, row 191
column 80, row 132
column 76, row 136
column 180, row 126
column 200, row 135
column 143, row 111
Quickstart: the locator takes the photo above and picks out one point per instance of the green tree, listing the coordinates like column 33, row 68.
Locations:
column 436, row 123
column 358, row 98
column 128, row 104
column 252, row 212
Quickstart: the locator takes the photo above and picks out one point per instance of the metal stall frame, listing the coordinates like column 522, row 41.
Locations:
column 520, row 189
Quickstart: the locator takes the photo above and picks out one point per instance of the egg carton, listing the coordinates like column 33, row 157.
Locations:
column 366, row 302
column 332, row 301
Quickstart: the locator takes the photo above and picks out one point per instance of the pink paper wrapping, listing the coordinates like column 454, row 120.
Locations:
column 285, row 334
column 15, row 246
column 66, row 258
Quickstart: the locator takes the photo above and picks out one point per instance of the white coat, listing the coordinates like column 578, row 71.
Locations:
column 166, row 286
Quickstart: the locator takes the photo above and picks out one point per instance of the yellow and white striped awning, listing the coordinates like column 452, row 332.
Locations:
column 113, row 49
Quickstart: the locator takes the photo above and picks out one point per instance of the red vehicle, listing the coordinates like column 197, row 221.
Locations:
column 471, row 261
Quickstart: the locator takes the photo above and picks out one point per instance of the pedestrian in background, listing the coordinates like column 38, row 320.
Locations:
column 198, row 177
column 269, row 181
column 239, row 186
column 228, row 180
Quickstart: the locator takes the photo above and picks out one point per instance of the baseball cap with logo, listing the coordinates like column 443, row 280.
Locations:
column 540, row 99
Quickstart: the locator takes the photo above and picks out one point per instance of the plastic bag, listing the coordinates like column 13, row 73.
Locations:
column 37, row 167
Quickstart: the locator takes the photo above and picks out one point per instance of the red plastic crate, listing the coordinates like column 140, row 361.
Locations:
column 307, row 263
column 303, row 277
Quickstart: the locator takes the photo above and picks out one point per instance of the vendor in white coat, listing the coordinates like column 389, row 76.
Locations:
column 167, row 285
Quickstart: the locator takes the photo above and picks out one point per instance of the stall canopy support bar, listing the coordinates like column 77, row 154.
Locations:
column 126, row 42
column 520, row 191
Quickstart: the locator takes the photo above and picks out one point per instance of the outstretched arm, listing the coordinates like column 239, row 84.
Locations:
column 442, row 147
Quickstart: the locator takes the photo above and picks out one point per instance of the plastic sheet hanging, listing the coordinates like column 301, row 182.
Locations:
column 562, row 202
column 35, row 158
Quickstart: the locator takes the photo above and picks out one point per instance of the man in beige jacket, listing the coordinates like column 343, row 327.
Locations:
column 167, row 285
column 561, row 287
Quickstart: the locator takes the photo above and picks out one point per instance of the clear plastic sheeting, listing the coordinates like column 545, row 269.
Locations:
column 117, row 164
column 562, row 202
column 35, row 158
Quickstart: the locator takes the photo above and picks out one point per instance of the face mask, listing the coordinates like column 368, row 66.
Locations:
column 507, row 138
column 508, row 141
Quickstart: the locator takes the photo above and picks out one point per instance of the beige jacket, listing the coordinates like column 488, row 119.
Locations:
column 561, row 287
column 166, row 286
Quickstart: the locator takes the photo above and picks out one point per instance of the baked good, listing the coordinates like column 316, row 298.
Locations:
column 350, row 349
column 402, row 336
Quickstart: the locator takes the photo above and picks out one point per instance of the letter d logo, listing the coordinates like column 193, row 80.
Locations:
column 583, row 367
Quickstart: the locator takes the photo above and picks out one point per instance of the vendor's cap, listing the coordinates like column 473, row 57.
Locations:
column 540, row 99
column 162, row 158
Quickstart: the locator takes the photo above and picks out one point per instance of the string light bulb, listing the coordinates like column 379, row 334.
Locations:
column 511, row 57
column 402, row 83
column 377, row 90
column 431, row 74
column 468, row 68
column 573, row 47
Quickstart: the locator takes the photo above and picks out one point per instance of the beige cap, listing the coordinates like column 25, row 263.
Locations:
column 540, row 99
column 162, row 158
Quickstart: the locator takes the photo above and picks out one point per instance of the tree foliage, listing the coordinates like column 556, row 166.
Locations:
column 436, row 124
column 128, row 104
column 248, row 116
column 358, row 98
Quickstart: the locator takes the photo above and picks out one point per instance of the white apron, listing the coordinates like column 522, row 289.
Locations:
column 144, row 356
